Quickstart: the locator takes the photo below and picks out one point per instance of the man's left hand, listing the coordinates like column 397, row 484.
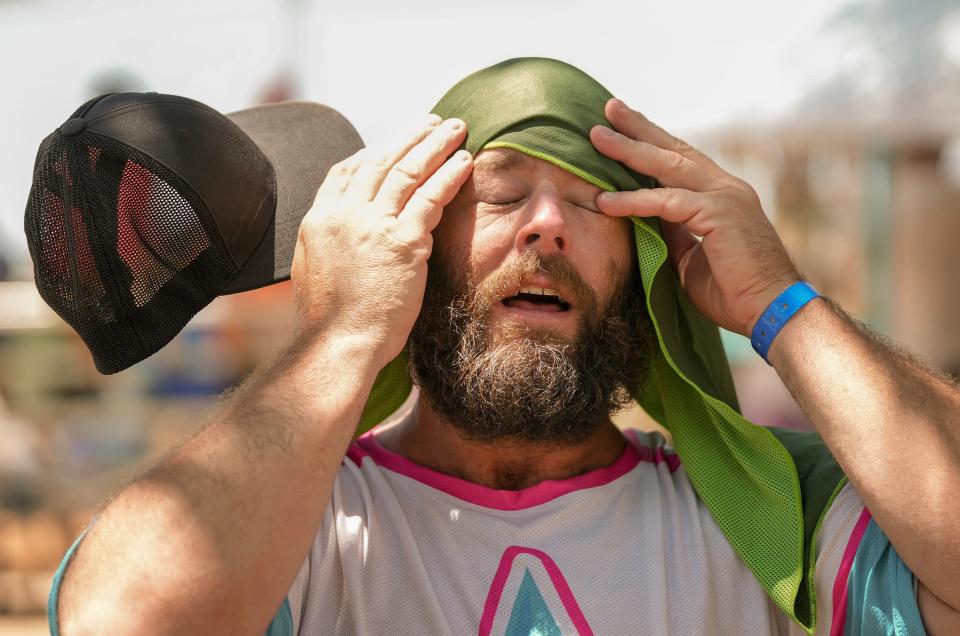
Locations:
column 871, row 403
column 740, row 266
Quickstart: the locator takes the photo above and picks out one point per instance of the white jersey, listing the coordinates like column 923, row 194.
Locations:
column 625, row 549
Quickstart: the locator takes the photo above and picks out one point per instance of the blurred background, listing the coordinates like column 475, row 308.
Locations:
column 844, row 115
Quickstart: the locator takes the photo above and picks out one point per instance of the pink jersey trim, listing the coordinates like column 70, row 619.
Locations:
column 356, row 454
column 843, row 574
column 368, row 446
column 657, row 456
column 556, row 576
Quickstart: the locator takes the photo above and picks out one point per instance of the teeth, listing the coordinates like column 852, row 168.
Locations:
column 542, row 291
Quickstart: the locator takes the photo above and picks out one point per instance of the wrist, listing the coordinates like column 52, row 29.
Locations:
column 795, row 338
column 352, row 353
column 778, row 314
column 767, row 299
column 315, row 382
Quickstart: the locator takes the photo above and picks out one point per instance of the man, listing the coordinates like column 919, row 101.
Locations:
column 503, row 499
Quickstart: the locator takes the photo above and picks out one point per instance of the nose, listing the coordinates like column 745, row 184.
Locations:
column 545, row 226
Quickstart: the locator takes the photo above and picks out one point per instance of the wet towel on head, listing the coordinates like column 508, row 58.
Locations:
column 767, row 489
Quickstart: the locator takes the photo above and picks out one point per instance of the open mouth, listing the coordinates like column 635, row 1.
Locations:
column 537, row 299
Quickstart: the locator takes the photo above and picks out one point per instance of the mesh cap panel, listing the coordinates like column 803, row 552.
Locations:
column 123, row 250
column 158, row 231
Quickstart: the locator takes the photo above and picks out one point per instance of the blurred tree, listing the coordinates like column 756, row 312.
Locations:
column 905, row 47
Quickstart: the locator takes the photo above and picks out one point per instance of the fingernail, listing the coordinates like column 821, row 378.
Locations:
column 622, row 105
column 433, row 120
column 605, row 132
column 462, row 155
column 455, row 124
column 605, row 197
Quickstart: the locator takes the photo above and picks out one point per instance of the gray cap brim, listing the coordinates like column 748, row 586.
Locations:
column 302, row 140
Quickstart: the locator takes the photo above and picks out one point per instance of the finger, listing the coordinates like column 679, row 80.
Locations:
column 371, row 172
column 680, row 241
column 634, row 125
column 667, row 166
column 416, row 166
column 339, row 176
column 422, row 212
column 334, row 185
column 671, row 204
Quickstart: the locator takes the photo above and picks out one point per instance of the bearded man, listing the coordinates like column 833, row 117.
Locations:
column 573, row 256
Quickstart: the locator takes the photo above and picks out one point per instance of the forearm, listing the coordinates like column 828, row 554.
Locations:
column 210, row 539
column 893, row 425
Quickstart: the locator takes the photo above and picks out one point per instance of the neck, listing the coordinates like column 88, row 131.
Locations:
column 428, row 439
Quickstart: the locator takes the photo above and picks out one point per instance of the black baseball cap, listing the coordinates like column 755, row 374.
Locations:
column 145, row 207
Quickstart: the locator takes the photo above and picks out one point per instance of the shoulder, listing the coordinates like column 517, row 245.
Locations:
column 863, row 587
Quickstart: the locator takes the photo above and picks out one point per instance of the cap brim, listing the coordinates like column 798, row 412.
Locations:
column 302, row 140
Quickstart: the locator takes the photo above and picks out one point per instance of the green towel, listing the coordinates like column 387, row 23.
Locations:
column 746, row 475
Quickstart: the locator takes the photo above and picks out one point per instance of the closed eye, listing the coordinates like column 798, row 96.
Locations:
column 589, row 207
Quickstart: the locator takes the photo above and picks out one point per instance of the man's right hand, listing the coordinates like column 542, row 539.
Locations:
column 360, row 265
column 199, row 532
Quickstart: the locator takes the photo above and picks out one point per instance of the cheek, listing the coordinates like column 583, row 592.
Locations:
column 491, row 247
column 483, row 242
column 607, row 249
column 454, row 233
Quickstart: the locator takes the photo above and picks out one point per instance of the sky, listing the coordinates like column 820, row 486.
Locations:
column 688, row 65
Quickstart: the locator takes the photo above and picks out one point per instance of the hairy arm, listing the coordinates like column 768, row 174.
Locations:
column 210, row 540
column 894, row 426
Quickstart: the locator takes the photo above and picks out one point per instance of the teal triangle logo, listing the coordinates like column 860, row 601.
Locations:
column 529, row 596
column 530, row 615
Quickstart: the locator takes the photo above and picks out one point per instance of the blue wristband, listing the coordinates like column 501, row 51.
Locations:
column 778, row 313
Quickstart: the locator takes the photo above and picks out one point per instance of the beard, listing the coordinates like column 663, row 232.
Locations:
column 523, row 384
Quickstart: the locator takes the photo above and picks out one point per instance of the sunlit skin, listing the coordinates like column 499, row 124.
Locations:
column 201, row 528
column 512, row 203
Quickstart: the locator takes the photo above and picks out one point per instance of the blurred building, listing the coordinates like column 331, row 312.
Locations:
column 868, row 202
column 73, row 436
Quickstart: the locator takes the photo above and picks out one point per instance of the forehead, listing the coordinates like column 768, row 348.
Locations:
column 502, row 159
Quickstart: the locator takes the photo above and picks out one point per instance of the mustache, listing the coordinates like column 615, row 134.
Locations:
column 518, row 383
column 565, row 277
